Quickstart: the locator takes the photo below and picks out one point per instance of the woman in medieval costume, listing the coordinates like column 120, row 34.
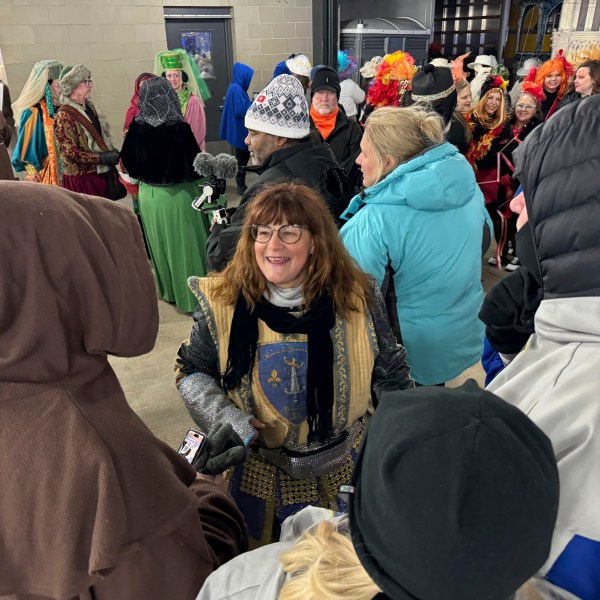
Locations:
column 291, row 344
column 159, row 151
column 487, row 123
column 36, row 152
column 134, row 107
column 182, row 73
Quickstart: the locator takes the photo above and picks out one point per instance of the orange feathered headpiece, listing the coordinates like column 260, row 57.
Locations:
column 392, row 79
column 560, row 64
column 536, row 91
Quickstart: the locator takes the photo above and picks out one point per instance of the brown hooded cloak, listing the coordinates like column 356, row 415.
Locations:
column 92, row 505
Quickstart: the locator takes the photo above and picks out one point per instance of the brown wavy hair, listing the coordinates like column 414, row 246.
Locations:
column 330, row 268
column 594, row 68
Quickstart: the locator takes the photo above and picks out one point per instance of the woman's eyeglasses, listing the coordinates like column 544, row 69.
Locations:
column 88, row 82
column 525, row 106
column 288, row 234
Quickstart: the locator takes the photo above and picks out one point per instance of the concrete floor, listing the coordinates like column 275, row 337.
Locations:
column 149, row 383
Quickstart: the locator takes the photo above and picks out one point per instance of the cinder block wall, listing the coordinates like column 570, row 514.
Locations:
column 117, row 40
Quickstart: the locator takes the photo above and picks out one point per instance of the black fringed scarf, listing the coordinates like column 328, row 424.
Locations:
column 316, row 323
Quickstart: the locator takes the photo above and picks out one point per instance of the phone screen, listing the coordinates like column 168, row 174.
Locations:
column 191, row 445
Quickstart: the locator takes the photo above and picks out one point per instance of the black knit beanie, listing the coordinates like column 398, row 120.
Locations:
column 456, row 494
column 326, row 78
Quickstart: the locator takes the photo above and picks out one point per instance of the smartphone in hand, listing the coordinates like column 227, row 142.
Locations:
column 191, row 445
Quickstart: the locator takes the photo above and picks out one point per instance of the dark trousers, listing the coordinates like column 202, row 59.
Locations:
column 505, row 229
column 242, row 155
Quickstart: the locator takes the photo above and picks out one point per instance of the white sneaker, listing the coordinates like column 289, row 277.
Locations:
column 513, row 265
column 492, row 261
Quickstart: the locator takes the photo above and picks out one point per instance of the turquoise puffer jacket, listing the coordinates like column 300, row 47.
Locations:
column 423, row 225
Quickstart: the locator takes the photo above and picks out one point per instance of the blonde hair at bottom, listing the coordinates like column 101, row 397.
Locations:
column 324, row 566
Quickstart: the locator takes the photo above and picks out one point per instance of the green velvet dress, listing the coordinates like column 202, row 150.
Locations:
column 176, row 236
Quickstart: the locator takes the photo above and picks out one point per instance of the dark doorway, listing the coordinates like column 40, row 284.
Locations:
column 205, row 33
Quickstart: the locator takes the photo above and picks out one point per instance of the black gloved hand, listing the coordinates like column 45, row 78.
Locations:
column 109, row 158
column 223, row 448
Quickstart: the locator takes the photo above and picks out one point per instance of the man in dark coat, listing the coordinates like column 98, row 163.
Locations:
column 555, row 379
column 329, row 123
column 281, row 149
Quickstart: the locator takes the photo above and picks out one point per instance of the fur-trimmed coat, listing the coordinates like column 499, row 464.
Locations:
column 80, row 154
column 162, row 155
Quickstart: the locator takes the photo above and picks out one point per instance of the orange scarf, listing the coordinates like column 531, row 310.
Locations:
column 325, row 123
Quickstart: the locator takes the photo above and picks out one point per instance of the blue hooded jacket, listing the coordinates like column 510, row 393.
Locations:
column 237, row 102
column 281, row 69
column 423, row 226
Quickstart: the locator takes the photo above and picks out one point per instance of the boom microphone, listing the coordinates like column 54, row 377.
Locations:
column 225, row 166
column 216, row 169
column 222, row 166
column 203, row 164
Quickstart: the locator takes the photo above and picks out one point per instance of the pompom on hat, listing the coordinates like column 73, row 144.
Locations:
column 497, row 79
column 280, row 109
column 432, row 83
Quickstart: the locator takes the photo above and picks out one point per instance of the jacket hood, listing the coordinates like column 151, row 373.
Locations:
column 438, row 179
column 242, row 75
column 558, row 166
column 568, row 320
column 75, row 285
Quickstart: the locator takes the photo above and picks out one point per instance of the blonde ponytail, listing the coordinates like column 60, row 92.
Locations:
column 402, row 133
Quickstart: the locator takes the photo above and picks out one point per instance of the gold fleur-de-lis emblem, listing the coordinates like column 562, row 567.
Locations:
column 274, row 379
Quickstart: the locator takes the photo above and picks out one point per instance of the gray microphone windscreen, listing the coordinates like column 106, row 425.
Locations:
column 225, row 166
column 204, row 164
